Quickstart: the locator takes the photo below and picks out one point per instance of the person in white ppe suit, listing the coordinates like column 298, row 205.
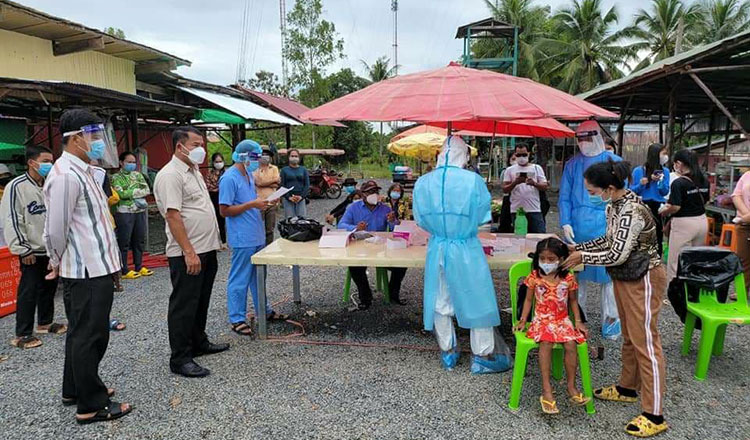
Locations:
column 451, row 203
column 583, row 219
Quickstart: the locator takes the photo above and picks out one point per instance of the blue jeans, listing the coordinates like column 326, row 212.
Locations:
column 242, row 275
column 294, row 209
column 537, row 224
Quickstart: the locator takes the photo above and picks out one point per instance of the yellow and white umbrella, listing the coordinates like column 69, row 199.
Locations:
column 422, row 146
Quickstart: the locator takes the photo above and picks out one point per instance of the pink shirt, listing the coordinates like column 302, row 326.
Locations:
column 743, row 188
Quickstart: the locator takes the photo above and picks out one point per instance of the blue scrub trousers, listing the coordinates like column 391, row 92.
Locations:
column 242, row 276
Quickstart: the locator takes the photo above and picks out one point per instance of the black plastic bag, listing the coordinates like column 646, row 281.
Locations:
column 300, row 229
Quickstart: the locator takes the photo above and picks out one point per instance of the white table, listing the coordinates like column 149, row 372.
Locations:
column 357, row 254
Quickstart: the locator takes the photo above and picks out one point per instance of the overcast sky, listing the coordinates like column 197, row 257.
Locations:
column 207, row 32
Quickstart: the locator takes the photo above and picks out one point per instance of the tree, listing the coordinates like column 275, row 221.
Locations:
column 723, row 18
column 657, row 30
column 115, row 32
column 380, row 69
column 267, row 82
column 534, row 22
column 344, row 82
column 584, row 48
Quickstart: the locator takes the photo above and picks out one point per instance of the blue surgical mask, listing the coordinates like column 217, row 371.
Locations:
column 252, row 165
column 129, row 167
column 395, row 195
column 549, row 268
column 597, row 200
column 44, row 168
column 349, row 189
column 96, row 151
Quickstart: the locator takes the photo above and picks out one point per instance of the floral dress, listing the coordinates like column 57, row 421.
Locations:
column 551, row 322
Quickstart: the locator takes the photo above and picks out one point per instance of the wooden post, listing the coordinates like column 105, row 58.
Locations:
column 711, row 116
column 727, row 127
column 288, row 136
column 49, row 128
column 661, row 128
column 134, row 131
column 670, row 122
column 718, row 103
column 621, row 125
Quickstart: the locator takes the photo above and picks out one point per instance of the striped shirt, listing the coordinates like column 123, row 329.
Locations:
column 78, row 234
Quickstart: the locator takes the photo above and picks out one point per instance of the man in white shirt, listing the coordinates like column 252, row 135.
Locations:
column 523, row 181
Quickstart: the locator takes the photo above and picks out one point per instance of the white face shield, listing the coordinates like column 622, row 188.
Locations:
column 589, row 137
column 455, row 153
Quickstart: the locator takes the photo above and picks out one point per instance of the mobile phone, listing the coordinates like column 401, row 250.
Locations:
column 524, row 174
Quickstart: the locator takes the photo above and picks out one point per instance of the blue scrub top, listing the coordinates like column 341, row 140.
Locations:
column 247, row 229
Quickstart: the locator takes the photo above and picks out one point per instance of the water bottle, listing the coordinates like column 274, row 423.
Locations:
column 522, row 225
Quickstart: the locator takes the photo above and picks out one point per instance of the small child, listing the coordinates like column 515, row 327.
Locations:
column 555, row 291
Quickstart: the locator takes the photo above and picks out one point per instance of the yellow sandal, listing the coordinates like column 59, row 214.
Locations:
column 579, row 399
column 611, row 393
column 548, row 407
column 646, row 428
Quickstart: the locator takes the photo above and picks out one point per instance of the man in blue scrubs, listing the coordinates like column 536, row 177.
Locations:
column 240, row 205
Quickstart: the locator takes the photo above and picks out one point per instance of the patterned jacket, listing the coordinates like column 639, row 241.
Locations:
column 132, row 189
column 630, row 227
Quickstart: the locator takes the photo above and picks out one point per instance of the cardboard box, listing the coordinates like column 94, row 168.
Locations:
column 10, row 275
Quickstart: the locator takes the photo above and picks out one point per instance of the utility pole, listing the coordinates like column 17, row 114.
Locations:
column 394, row 8
column 241, row 75
column 282, row 28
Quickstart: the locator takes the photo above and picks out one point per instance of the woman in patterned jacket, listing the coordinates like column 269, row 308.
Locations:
column 630, row 251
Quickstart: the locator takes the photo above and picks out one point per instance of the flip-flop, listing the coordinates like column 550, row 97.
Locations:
column 110, row 412
column 579, row 399
column 54, row 328
column 610, row 393
column 646, row 428
column 548, row 407
column 26, row 342
column 115, row 324
column 276, row 317
column 241, row 328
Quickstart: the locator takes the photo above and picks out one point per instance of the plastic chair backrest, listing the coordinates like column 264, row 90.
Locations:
column 517, row 271
column 707, row 296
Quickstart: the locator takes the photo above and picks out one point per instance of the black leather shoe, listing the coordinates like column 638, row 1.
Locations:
column 191, row 369
column 211, row 348
column 398, row 301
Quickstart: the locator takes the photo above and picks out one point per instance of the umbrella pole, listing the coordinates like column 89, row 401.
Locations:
column 493, row 156
column 449, row 128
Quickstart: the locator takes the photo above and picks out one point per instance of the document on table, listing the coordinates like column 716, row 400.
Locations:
column 279, row 193
column 335, row 239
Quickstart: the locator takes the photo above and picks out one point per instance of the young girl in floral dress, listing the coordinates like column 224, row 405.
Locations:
column 555, row 293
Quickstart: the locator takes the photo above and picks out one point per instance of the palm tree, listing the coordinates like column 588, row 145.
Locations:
column 723, row 18
column 380, row 69
column 656, row 30
column 533, row 21
column 584, row 48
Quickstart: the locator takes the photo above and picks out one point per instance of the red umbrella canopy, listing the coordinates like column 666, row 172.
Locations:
column 547, row 128
column 456, row 93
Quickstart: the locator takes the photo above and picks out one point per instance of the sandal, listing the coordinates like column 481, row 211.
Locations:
column 643, row 427
column 276, row 317
column 26, row 342
column 579, row 399
column 116, row 326
column 112, row 411
column 54, row 328
column 70, row 401
column 241, row 328
column 611, row 393
column 548, row 407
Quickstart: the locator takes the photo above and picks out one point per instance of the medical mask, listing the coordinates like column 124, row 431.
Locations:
column 129, row 167
column 598, row 200
column 395, row 195
column 663, row 159
column 97, row 149
column 349, row 189
column 252, row 165
column 294, row 161
column 265, row 160
column 197, row 155
column 549, row 268
column 44, row 168
column 219, row 166
column 372, row 199
column 523, row 161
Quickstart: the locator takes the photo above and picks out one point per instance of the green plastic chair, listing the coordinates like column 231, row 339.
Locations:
column 714, row 316
column 525, row 344
column 381, row 284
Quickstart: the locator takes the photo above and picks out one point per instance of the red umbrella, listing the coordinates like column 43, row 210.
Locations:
column 548, row 128
column 455, row 93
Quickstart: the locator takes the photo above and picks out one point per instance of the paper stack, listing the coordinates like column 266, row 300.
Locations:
column 417, row 235
column 335, row 239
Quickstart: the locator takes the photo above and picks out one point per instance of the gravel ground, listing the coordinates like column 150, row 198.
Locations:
column 391, row 388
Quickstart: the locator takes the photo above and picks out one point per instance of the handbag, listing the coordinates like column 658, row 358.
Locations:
column 300, row 229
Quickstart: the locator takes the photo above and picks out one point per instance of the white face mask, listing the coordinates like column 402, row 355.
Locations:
column 663, row 159
column 523, row 161
column 549, row 268
column 219, row 165
column 197, row 155
column 589, row 149
column 372, row 199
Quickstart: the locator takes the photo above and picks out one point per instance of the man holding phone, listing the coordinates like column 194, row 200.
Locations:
column 524, row 181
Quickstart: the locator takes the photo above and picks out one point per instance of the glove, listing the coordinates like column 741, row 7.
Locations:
column 568, row 234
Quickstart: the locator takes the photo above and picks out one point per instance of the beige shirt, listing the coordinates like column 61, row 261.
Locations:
column 181, row 187
column 266, row 176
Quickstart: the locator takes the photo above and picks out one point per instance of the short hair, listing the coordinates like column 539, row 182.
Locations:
column 125, row 154
column 74, row 119
column 292, row 150
column 181, row 134
column 522, row 145
column 611, row 142
column 34, row 151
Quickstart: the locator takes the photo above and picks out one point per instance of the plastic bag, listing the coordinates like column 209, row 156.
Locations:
column 300, row 229
column 708, row 267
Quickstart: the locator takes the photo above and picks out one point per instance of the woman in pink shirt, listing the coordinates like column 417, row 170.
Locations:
column 741, row 199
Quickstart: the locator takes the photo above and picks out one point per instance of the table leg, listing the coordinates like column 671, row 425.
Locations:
column 262, row 330
column 295, row 285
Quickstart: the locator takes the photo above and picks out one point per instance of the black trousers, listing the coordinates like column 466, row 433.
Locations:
column 34, row 294
column 221, row 220
column 131, row 235
column 87, row 306
column 659, row 225
column 359, row 275
column 188, row 307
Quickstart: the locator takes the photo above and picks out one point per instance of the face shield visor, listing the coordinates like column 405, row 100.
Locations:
column 590, row 140
column 95, row 137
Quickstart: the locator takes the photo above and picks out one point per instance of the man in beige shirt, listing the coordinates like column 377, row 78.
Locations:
column 267, row 180
column 192, row 241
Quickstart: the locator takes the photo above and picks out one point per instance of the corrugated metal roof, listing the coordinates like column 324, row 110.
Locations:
column 242, row 107
column 290, row 107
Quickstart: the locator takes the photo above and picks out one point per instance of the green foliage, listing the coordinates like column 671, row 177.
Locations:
column 115, row 32
column 267, row 82
column 722, row 18
column 380, row 69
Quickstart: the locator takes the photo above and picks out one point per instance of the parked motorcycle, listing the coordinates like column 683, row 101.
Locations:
column 324, row 183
